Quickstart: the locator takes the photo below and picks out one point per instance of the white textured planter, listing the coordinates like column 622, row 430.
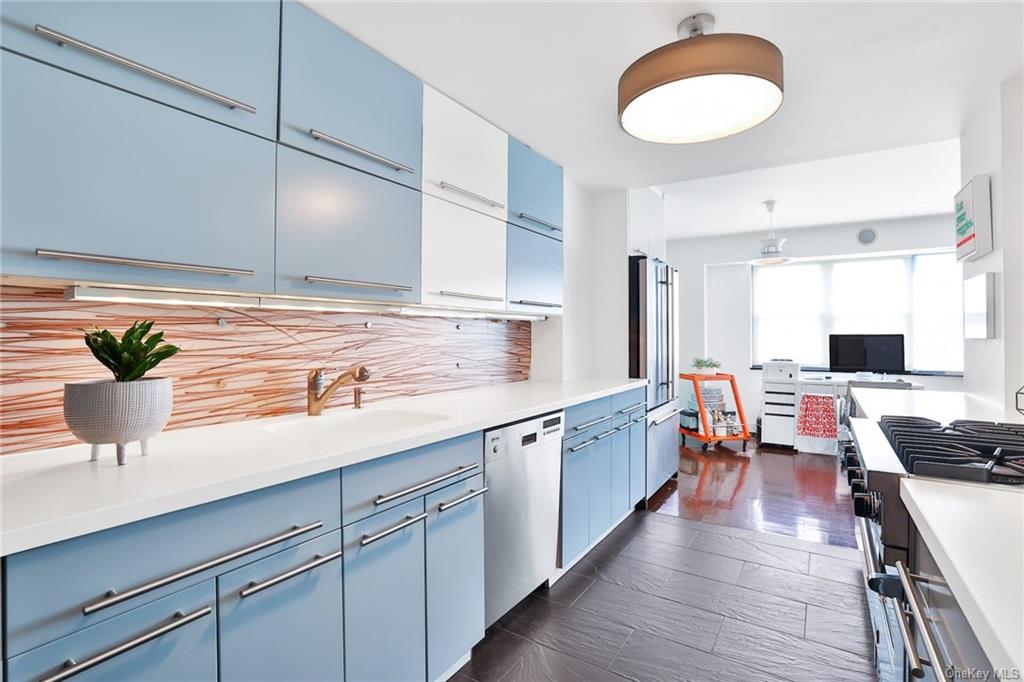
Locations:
column 118, row 412
column 705, row 370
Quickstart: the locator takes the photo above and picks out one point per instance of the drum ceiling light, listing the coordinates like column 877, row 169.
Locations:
column 701, row 87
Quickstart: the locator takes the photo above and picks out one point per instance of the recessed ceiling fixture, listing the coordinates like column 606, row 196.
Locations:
column 771, row 248
column 701, row 87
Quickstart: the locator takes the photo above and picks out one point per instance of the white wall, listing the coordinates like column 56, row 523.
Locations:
column 714, row 292
column 991, row 145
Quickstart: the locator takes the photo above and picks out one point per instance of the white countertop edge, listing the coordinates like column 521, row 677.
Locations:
column 997, row 650
column 32, row 535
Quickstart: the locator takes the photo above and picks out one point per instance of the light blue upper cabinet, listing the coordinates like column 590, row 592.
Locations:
column 534, row 272
column 343, row 233
column 385, row 596
column 637, row 458
column 344, row 101
column 281, row 618
column 455, row 573
column 534, row 190
column 180, row 643
column 125, row 190
column 215, row 59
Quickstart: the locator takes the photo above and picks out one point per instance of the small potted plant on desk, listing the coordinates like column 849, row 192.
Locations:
column 130, row 408
column 703, row 365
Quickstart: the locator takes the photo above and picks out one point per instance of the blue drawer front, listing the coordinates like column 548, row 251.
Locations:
column 385, row 598
column 93, row 170
column 229, row 48
column 188, row 652
column 629, row 402
column 363, row 484
column 341, row 224
column 637, row 461
column 585, row 416
column 334, row 84
column 534, row 272
column 534, row 190
column 292, row 630
column 43, row 604
column 455, row 574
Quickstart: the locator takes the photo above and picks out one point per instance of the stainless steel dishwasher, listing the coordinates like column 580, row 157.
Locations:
column 523, row 475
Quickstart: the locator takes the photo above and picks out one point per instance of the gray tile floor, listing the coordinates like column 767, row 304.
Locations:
column 665, row 598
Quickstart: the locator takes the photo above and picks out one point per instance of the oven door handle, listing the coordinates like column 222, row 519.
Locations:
column 877, row 579
column 908, row 580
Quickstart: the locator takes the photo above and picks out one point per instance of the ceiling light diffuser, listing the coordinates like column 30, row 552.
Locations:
column 701, row 87
column 771, row 248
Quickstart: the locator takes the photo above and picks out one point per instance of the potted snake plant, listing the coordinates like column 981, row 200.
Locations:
column 130, row 407
column 703, row 365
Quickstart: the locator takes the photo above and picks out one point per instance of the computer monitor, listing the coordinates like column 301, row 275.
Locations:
column 881, row 353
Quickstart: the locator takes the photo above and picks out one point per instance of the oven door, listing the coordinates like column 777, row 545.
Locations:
column 882, row 587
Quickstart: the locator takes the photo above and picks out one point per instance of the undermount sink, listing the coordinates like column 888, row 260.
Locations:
column 348, row 420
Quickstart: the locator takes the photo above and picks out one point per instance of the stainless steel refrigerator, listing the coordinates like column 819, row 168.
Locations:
column 653, row 328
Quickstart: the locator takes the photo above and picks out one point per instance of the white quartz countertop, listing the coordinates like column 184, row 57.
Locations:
column 942, row 406
column 52, row 495
column 976, row 535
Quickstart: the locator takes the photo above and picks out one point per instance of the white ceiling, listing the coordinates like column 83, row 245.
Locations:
column 895, row 183
column 858, row 76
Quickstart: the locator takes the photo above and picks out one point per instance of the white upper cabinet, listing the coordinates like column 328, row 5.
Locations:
column 465, row 158
column 645, row 221
column 463, row 257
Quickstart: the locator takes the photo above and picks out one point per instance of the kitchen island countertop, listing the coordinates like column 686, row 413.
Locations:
column 942, row 406
column 51, row 495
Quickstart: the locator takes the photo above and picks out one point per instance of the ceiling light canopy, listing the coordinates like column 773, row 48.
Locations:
column 701, row 87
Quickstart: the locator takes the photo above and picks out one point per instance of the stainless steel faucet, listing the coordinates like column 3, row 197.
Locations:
column 317, row 396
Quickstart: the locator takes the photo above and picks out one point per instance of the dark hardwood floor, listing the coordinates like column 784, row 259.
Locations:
column 745, row 568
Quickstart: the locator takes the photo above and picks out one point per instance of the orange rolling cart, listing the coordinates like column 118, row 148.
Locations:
column 708, row 436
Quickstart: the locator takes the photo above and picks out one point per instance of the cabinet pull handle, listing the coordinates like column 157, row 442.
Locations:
column 313, row 279
column 319, row 560
column 179, row 620
column 535, row 219
column 475, row 297
column 584, row 427
column 384, row 499
column 445, row 506
column 62, row 39
column 667, row 417
column 623, row 427
column 366, row 153
column 583, row 445
column 602, row 436
column 632, row 408
column 472, row 195
column 143, row 263
column 409, row 520
column 113, row 597
column 917, row 611
column 542, row 304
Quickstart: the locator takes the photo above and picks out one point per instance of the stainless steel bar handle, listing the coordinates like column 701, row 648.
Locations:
column 584, row 427
column 623, row 427
column 409, row 520
column 535, row 219
column 445, row 506
column 113, row 597
column 914, row 663
column 632, row 408
column 64, row 39
column 324, row 137
column 602, row 436
column 314, row 279
column 542, row 304
column 475, row 297
column 667, row 417
column 472, row 195
column 72, row 668
column 384, row 499
column 143, row 263
column 583, row 445
column 867, row 549
column 917, row 611
column 319, row 560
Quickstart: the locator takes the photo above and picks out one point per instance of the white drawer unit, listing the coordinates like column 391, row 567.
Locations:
column 778, row 402
column 465, row 158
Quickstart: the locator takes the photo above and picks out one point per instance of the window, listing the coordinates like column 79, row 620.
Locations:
column 796, row 307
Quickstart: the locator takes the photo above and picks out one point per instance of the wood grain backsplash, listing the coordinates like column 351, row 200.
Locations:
column 237, row 364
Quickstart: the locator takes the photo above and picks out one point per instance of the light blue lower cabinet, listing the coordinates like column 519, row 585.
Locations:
column 385, row 596
column 620, row 499
column 575, row 510
column 637, row 461
column 281, row 617
column 600, row 505
column 179, row 642
column 455, row 573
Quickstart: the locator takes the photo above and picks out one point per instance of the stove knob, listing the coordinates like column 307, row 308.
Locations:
column 864, row 505
column 850, row 460
column 858, row 486
column 853, row 473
